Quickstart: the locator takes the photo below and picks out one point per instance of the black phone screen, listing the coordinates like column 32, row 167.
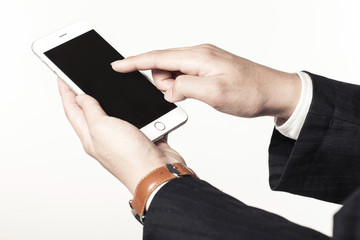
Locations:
column 129, row 96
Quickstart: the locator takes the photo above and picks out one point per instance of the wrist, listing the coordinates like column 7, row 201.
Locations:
column 290, row 93
column 151, row 182
column 283, row 95
column 292, row 127
column 141, row 172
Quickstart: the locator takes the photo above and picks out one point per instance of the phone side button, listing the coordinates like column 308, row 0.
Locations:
column 159, row 126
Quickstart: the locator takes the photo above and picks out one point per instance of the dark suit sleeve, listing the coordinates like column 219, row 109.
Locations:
column 188, row 208
column 324, row 162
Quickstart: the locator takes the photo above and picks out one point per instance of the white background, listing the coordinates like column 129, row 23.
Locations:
column 50, row 189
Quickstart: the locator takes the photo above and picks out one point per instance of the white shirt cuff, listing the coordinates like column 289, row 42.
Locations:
column 292, row 127
column 152, row 195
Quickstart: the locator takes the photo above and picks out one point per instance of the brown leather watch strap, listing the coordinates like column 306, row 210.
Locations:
column 151, row 181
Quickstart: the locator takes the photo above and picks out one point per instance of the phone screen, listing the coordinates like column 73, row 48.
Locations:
column 129, row 96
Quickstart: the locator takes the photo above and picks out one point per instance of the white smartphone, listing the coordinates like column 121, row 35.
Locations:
column 81, row 57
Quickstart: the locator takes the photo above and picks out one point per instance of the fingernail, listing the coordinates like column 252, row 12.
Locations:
column 115, row 62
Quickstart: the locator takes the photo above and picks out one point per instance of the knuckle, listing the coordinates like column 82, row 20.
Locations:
column 88, row 149
column 207, row 52
column 180, row 78
column 178, row 91
column 179, row 82
column 207, row 45
column 87, row 103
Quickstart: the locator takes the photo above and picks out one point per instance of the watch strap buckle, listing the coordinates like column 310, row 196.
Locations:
column 174, row 170
column 141, row 219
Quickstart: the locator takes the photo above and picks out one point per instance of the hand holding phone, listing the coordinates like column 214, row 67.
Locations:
column 119, row 146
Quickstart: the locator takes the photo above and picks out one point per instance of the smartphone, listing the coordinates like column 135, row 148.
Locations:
column 81, row 57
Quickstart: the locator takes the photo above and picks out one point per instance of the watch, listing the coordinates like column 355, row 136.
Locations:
column 151, row 181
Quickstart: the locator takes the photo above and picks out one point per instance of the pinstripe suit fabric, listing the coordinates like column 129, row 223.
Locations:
column 324, row 163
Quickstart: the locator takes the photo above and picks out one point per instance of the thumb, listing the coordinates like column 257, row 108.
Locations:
column 91, row 109
column 186, row 86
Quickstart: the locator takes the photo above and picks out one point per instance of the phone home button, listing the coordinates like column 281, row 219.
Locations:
column 159, row 126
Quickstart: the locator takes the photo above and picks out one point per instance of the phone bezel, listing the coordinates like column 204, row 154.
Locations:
column 171, row 120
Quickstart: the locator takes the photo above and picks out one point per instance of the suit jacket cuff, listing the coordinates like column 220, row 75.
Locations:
column 191, row 209
column 324, row 161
